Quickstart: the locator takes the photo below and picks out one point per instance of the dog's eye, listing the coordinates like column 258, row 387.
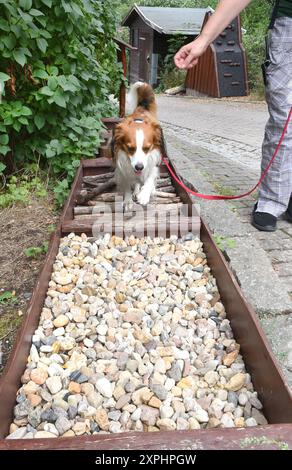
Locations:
column 131, row 149
column 146, row 148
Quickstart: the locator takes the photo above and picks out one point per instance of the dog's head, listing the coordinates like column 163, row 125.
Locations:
column 138, row 136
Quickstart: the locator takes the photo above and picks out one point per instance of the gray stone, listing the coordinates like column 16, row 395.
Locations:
column 34, row 417
column 63, row 425
column 49, row 416
column 175, row 372
column 72, row 412
column 23, row 409
column 159, row 391
column 233, row 398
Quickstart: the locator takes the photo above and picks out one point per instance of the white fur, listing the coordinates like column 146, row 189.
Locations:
column 132, row 98
column 143, row 185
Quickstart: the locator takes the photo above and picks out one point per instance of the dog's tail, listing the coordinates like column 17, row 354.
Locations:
column 141, row 95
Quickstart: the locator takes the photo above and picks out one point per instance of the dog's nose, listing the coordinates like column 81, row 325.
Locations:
column 139, row 167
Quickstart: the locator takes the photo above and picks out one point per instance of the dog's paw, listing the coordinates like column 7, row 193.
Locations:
column 128, row 206
column 143, row 197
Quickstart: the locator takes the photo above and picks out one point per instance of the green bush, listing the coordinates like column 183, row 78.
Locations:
column 58, row 66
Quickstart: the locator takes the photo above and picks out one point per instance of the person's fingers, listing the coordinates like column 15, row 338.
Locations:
column 189, row 59
column 192, row 63
column 180, row 55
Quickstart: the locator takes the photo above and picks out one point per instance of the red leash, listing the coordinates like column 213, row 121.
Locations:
column 239, row 196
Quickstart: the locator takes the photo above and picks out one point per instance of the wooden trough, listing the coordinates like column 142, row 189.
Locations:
column 259, row 360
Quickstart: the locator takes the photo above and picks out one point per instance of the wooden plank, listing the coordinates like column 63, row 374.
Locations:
column 276, row 437
column 10, row 380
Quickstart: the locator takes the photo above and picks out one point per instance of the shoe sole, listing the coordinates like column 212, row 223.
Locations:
column 263, row 229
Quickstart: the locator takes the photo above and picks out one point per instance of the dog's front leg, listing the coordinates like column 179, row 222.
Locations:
column 147, row 189
column 136, row 191
column 128, row 200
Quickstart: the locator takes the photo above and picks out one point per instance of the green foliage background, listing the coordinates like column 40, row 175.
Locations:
column 62, row 58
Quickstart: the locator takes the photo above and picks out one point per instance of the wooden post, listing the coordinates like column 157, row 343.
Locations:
column 123, row 59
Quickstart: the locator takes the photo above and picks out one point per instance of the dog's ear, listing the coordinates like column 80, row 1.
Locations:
column 157, row 131
column 117, row 137
column 113, row 144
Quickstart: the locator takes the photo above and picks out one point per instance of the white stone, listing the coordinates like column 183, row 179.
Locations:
column 104, row 387
column 54, row 384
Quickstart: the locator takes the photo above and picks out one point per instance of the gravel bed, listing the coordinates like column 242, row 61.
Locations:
column 132, row 337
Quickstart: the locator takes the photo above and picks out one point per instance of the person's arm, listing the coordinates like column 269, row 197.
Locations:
column 225, row 12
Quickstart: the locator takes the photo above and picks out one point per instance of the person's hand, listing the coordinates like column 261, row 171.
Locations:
column 188, row 55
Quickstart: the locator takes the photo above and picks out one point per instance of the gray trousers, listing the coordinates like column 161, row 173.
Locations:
column 276, row 189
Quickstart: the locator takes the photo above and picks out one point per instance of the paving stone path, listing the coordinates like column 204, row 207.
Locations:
column 217, row 147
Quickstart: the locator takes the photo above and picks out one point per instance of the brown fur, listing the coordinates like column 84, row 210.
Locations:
column 125, row 132
column 147, row 97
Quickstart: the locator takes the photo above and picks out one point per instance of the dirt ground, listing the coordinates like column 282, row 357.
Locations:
column 21, row 227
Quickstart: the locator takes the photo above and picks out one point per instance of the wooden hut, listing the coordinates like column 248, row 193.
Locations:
column 221, row 70
column 150, row 30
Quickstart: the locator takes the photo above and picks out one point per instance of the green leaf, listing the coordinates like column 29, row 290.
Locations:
column 45, row 90
column 52, row 83
column 25, row 4
column 19, row 56
column 33, row 251
column 4, row 139
column 52, row 70
column 39, row 73
column 39, row 121
column 4, row 149
column 76, row 9
column 23, row 120
column 4, row 25
column 49, row 153
column 7, row 297
column 2, row 167
column 16, row 126
column 69, row 28
column 25, row 16
column 42, row 44
column 34, row 12
column 9, row 41
column 16, row 30
column 45, row 34
column 47, row 2
column 25, row 111
column 4, row 77
column 60, row 100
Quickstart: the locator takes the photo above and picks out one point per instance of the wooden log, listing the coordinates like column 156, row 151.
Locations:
column 168, row 189
column 165, row 193
column 85, row 210
column 85, row 196
column 161, row 183
column 98, row 178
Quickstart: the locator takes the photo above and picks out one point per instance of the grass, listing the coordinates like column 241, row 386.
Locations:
column 9, row 322
column 224, row 242
column 223, row 190
column 20, row 187
column 263, row 440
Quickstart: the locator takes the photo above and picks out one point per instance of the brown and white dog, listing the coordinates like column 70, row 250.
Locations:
column 137, row 143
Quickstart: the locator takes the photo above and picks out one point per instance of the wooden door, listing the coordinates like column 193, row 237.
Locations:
column 145, row 52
